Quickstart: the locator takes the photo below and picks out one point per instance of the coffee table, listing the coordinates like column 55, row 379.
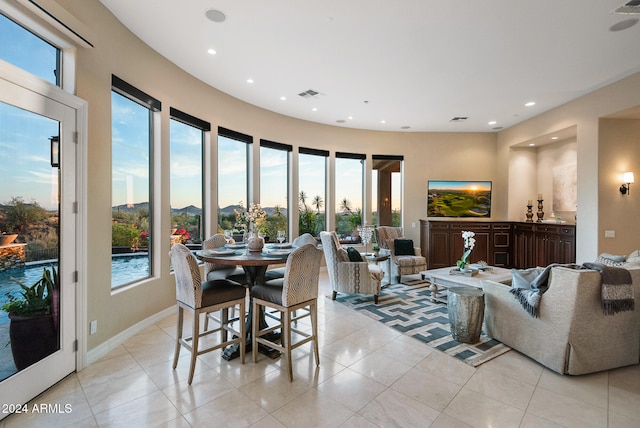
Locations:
column 451, row 277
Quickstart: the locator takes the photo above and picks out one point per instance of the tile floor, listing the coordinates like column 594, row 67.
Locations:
column 369, row 376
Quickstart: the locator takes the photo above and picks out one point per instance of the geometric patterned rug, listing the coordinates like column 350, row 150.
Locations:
column 410, row 310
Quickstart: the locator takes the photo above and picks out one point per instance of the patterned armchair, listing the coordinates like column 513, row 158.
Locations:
column 406, row 264
column 346, row 276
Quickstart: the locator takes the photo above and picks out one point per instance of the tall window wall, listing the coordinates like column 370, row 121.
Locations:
column 312, row 186
column 233, row 176
column 25, row 50
column 187, row 136
column 349, row 191
column 274, row 186
column 387, row 190
column 131, row 154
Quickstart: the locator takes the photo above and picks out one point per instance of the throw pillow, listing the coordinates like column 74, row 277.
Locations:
column 522, row 278
column 354, row 255
column 342, row 255
column 403, row 247
column 610, row 260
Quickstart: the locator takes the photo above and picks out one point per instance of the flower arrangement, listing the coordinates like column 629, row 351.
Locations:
column 184, row 235
column 253, row 217
column 469, row 243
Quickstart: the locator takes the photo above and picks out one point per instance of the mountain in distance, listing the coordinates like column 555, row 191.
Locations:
column 189, row 210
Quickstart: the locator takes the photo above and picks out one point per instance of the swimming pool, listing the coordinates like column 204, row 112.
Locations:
column 124, row 269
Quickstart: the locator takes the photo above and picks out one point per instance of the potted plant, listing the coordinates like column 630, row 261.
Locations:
column 33, row 330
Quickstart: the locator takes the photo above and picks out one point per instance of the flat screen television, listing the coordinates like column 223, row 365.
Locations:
column 458, row 198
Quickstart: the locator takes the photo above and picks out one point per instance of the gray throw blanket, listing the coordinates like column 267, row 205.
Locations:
column 617, row 288
column 529, row 285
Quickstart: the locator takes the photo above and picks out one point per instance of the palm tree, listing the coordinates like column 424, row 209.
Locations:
column 318, row 203
column 303, row 200
column 345, row 206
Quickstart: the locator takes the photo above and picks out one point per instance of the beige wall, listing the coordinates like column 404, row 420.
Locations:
column 619, row 151
column 453, row 156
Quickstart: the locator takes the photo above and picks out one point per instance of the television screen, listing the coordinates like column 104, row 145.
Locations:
column 459, row 199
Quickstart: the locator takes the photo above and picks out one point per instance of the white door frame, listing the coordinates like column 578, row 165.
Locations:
column 13, row 79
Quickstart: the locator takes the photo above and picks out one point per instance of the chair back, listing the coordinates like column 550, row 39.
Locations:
column 330, row 246
column 305, row 238
column 302, row 273
column 215, row 241
column 188, row 280
column 386, row 234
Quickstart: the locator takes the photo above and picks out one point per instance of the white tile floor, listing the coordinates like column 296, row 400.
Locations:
column 369, row 376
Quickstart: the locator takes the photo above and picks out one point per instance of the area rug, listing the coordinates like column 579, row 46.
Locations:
column 410, row 310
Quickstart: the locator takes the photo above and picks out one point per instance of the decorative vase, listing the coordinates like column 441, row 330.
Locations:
column 32, row 338
column 255, row 243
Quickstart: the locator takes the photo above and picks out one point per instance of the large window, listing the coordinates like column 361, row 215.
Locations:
column 312, row 179
column 24, row 49
column 349, row 173
column 233, row 176
column 387, row 190
column 274, row 186
column 131, row 154
column 187, row 135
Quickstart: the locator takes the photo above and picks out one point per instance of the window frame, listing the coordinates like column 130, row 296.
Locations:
column 288, row 148
column 248, row 141
column 321, row 154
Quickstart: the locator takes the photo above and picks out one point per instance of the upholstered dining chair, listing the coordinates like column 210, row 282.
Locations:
column 406, row 259
column 216, row 271
column 298, row 289
column 305, row 238
column 345, row 276
column 196, row 297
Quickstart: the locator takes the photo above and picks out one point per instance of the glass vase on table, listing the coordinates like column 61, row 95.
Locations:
column 228, row 235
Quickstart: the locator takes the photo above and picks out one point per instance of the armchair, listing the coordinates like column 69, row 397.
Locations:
column 346, row 276
column 401, row 264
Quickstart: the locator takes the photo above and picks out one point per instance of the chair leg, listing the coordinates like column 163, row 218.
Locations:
column 375, row 299
column 178, row 337
column 243, row 331
column 224, row 320
column 334, row 295
column 254, row 331
column 285, row 339
column 314, row 330
column 194, row 344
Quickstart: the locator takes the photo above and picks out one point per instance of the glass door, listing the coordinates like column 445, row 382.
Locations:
column 37, row 243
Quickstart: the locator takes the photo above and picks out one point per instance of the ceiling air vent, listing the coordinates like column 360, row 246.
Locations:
column 459, row 119
column 309, row 93
column 629, row 8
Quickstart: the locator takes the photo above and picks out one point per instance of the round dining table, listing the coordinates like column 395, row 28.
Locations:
column 255, row 266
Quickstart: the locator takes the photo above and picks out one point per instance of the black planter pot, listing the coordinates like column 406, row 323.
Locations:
column 32, row 338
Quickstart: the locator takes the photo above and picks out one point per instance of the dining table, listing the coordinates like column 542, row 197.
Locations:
column 254, row 264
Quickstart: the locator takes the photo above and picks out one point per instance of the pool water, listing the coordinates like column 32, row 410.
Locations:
column 124, row 269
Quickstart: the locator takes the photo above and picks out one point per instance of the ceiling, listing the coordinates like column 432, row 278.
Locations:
column 410, row 65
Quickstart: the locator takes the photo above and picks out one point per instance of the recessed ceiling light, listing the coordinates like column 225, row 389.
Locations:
column 554, row 138
column 350, row 118
column 212, row 51
column 383, row 121
column 283, row 98
column 530, row 103
column 531, row 144
column 314, row 109
column 493, row 122
column 215, row 15
column 249, row 80
column 623, row 25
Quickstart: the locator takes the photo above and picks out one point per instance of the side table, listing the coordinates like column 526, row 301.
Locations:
column 466, row 313
column 372, row 258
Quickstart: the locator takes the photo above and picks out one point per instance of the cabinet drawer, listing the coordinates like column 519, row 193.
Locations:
column 438, row 226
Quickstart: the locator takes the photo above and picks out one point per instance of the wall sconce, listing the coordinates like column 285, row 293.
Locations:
column 55, row 152
column 627, row 178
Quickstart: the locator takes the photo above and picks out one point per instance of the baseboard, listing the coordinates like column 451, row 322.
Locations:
column 104, row 348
